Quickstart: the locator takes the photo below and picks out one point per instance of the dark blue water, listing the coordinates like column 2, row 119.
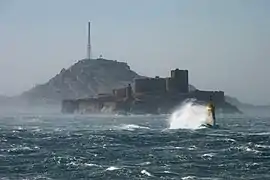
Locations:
column 135, row 147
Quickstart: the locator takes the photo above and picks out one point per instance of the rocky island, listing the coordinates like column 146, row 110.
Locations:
column 101, row 85
column 111, row 86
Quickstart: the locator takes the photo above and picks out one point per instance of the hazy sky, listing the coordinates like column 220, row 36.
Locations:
column 225, row 44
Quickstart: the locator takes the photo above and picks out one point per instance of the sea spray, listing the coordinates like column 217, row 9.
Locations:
column 188, row 116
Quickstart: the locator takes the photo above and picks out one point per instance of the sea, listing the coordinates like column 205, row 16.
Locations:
column 39, row 146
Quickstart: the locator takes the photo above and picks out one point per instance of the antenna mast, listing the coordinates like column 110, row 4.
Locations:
column 89, row 42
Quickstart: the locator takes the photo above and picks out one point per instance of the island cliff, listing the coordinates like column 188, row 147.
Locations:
column 93, row 78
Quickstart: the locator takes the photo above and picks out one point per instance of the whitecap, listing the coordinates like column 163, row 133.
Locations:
column 192, row 148
column 178, row 147
column 230, row 140
column 188, row 178
column 261, row 146
column 208, row 155
column 146, row 173
column 58, row 129
column 144, row 163
column 112, row 168
column 20, row 148
column 247, row 149
column 72, row 163
column 91, row 165
column 41, row 177
column 19, row 128
column 260, row 133
column 131, row 127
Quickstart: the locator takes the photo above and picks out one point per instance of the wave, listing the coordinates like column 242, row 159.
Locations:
column 188, row 116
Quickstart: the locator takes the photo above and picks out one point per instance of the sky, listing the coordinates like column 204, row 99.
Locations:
column 224, row 44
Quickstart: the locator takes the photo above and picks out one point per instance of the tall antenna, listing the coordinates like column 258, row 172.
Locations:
column 89, row 42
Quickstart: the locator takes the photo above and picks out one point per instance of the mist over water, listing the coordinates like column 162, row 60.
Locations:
column 189, row 115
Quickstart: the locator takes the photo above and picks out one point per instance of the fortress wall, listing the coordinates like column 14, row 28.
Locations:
column 150, row 85
column 217, row 96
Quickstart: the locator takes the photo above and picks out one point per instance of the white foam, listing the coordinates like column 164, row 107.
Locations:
column 131, row 127
column 188, row 178
column 112, row 168
column 146, row 173
column 144, row 163
column 262, row 146
column 91, row 165
column 192, row 148
column 188, row 116
column 208, row 156
column 247, row 149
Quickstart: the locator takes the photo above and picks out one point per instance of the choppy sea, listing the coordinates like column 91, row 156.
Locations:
column 55, row 146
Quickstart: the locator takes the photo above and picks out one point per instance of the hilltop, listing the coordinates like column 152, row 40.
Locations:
column 84, row 79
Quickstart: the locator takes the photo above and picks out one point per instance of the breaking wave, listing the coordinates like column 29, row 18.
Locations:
column 188, row 116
